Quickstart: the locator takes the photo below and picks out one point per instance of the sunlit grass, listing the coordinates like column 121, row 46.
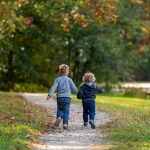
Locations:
column 130, row 128
column 128, row 103
column 20, row 122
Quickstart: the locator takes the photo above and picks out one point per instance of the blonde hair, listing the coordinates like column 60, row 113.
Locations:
column 88, row 77
column 63, row 69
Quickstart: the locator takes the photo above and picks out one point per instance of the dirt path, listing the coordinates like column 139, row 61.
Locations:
column 77, row 136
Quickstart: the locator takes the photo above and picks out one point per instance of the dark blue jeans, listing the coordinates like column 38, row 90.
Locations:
column 88, row 110
column 63, row 108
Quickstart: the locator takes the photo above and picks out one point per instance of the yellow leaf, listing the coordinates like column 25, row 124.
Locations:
column 145, row 30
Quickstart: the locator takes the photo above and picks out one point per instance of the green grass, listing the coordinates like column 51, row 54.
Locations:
column 20, row 122
column 130, row 128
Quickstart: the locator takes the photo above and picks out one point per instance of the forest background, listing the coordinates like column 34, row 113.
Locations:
column 110, row 38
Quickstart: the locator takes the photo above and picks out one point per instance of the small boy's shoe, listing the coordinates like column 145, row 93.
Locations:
column 85, row 124
column 91, row 122
column 57, row 122
column 65, row 126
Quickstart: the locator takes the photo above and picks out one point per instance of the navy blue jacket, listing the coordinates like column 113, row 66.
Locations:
column 88, row 92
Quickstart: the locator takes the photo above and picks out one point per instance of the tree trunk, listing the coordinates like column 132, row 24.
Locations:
column 10, row 72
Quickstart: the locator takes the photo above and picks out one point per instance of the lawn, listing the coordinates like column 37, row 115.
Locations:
column 20, row 122
column 130, row 128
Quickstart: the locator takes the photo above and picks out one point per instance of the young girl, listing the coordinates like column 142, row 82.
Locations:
column 87, row 93
column 64, row 85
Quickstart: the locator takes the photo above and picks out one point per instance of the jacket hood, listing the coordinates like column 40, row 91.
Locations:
column 89, row 85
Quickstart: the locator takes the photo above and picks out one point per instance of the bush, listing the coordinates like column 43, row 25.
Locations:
column 134, row 92
column 26, row 87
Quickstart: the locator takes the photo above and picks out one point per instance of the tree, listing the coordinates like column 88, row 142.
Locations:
column 32, row 30
column 37, row 36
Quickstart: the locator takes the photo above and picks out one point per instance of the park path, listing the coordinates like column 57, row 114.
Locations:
column 76, row 136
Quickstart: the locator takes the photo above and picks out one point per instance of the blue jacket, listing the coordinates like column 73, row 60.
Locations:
column 88, row 91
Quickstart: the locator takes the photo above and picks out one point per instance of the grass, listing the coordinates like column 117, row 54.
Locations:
column 20, row 122
column 130, row 128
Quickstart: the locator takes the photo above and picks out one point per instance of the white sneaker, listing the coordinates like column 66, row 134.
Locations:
column 57, row 122
column 65, row 126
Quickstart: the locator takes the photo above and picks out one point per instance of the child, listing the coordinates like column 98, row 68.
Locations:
column 64, row 85
column 87, row 93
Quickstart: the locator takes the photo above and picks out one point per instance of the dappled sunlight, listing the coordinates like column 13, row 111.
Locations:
column 75, row 147
column 131, row 121
column 20, row 121
column 15, row 129
column 125, row 102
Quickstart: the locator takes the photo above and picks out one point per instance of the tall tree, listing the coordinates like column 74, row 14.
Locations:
column 37, row 36
column 31, row 35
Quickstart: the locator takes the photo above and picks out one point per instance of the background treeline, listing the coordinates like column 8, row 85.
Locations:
column 110, row 38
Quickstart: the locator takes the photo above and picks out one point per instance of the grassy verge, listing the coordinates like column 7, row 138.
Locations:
column 130, row 128
column 20, row 122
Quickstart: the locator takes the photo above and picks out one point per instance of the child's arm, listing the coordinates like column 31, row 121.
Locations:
column 52, row 90
column 100, row 90
column 48, row 97
column 73, row 87
column 80, row 93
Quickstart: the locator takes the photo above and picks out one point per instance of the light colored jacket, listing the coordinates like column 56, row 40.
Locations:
column 64, row 86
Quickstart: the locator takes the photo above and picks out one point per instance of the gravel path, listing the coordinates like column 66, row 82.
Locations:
column 76, row 136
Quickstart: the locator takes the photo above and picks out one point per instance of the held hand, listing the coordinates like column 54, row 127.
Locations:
column 48, row 97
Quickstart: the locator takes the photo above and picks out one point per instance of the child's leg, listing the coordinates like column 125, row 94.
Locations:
column 92, row 109
column 92, row 113
column 66, row 109
column 59, row 108
column 85, row 111
column 59, row 113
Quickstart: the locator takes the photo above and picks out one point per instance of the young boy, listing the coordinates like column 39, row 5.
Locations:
column 87, row 93
column 64, row 85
